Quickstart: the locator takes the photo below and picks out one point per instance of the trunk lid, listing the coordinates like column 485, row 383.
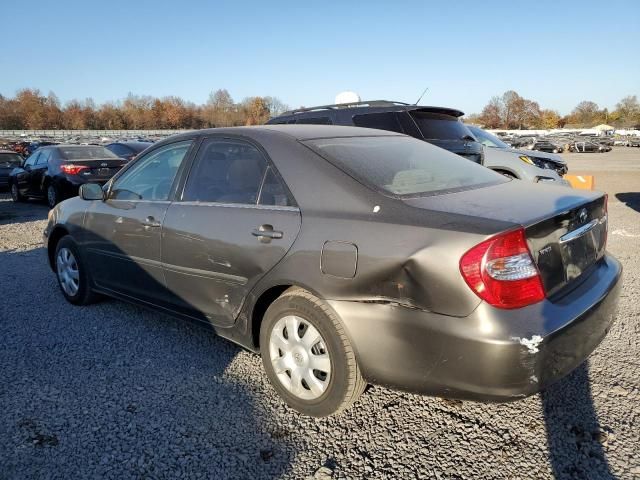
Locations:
column 98, row 169
column 566, row 229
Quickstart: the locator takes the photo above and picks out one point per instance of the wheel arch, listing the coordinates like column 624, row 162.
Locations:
column 55, row 236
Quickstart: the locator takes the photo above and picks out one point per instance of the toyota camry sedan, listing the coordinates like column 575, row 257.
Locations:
column 348, row 256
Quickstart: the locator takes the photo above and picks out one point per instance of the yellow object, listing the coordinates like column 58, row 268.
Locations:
column 584, row 182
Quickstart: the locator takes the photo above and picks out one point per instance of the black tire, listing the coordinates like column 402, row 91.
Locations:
column 345, row 383
column 16, row 196
column 84, row 294
column 53, row 195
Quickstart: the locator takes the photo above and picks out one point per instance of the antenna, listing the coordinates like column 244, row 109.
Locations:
column 420, row 98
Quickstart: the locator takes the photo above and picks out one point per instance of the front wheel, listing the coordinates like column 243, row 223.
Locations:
column 16, row 196
column 73, row 276
column 307, row 356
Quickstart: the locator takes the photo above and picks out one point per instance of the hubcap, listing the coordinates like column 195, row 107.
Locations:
column 51, row 196
column 300, row 357
column 68, row 274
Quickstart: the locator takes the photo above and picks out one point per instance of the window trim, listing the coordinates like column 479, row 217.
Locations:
column 128, row 166
column 180, row 190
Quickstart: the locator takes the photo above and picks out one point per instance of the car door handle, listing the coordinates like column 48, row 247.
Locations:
column 266, row 232
column 150, row 222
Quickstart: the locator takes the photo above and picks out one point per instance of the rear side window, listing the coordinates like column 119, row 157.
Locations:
column 120, row 150
column 441, row 127
column 43, row 159
column 314, row 121
column 403, row 166
column 382, row 121
column 233, row 171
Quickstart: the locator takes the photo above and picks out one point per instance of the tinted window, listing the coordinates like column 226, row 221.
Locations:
column 10, row 160
column 119, row 150
column 273, row 191
column 31, row 161
column 441, row 127
column 314, row 121
column 402, row 165
column 226, row 171
column 85, row 153
column 43, row 158
column 487, row 138
column 383, row 121
column 152, row 176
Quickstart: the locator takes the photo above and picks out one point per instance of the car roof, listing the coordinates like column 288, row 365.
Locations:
column 374, row 106
column 297, row 132
column 132, row 143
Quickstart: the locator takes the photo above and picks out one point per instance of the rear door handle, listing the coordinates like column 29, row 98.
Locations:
column 266, row 232
column 150, row 222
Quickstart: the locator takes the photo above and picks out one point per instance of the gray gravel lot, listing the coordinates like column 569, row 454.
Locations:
column 115, row 391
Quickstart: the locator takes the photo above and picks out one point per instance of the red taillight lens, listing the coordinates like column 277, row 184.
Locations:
column 501, row 271
column 72, row 169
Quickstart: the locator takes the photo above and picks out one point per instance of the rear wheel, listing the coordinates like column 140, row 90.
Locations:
column 53, row 196
column 307, row 355
column 16, row 196
column 73, row 276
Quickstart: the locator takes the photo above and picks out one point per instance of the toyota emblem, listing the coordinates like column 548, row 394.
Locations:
column 583, row 215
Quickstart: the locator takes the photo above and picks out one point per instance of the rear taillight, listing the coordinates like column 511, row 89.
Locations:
column 501, row 271
column 71, row 169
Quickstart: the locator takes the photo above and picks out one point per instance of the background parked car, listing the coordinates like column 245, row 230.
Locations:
column 128, row 150
column 9, row 160
column 528, row 165
column 55, row 173
column 437, row 125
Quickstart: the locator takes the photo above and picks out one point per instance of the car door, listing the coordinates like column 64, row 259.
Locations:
column 122, row 233
column 38, row 172
column 24, row 177
column 233, row 222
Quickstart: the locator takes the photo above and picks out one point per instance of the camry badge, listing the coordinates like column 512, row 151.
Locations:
column 104, row 164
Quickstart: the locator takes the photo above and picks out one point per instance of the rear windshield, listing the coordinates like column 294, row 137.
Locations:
column 441, row 127
column 403, row 166
column 85, row 153
column 10, row 160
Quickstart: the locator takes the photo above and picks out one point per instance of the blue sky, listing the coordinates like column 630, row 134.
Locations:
column 557, row 53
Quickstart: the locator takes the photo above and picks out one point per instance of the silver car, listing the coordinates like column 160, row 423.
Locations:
column 530, row 165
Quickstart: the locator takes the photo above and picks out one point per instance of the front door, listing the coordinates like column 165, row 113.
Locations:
column 234, row 221
column 123, row 233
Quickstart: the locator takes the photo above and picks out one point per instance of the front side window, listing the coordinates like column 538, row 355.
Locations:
column 403, row 166
column 488, row 139
column 233, row 171
column 152, row 176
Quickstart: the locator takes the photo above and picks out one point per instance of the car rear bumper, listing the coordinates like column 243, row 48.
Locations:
column 491, row 355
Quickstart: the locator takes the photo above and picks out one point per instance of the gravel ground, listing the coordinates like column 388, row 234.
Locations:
column 115, row 391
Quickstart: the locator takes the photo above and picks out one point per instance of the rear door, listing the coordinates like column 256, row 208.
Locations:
column 234, row 221
column 122, row 234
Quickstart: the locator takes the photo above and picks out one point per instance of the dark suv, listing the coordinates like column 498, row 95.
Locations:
column 437, row 125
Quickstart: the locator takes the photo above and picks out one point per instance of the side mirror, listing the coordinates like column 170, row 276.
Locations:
column 91, row 191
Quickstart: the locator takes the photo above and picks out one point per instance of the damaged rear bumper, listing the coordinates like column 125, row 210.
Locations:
column 491, row 355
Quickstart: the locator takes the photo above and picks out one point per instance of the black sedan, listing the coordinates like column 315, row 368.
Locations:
column 9, row 160
column 56, row 172
column 128, row 150
column 348, row 256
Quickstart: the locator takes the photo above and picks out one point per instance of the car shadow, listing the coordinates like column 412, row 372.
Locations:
column 112, row 390
column 575, row 438
column 630, row 199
